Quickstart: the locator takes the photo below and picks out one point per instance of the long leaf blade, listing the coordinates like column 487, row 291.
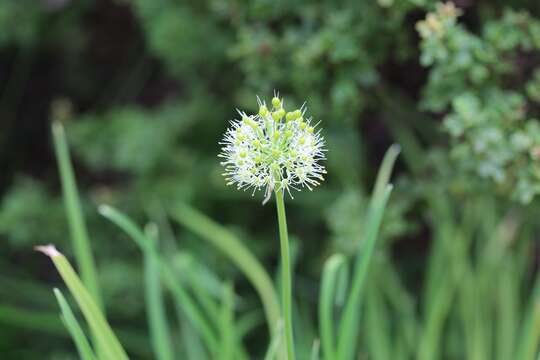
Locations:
column 75, row 330
column 168, row 275
column 327, row 296
column 157, row 319
column 77, row 225
column 349, row 328
column 237, row 252
column 105, row 337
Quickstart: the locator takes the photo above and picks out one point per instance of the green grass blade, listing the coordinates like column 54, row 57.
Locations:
column 106, row 340
column 507, row 310
column 168, row 275
column 530, row 333
column 231, row 246
column 451, row 268
column 72, row 325
column 349, row 325
column 403, row 307
column 206, row 286
column 77, row 225
column 209, row 305
column 227, row 328
column 385, row 171
column 443, row 296
column 157, row 319
column 275, row 345
column 49, row 324
column 377, row 325
column 327, row 302
column 197, row 278
column 192, row 345
column 315, row 350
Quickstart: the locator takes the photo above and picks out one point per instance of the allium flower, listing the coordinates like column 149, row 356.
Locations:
column 274, row 150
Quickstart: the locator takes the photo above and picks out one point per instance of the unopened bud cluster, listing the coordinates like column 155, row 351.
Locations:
column 275, row 149
column 437, row 23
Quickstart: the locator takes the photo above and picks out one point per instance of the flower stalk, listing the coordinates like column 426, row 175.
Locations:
column 286, row 277
column 276, row 151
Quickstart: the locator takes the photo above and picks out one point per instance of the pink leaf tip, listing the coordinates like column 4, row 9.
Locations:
column 48, row 250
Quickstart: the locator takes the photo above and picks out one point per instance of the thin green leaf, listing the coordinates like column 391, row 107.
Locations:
column 349, row 325
column 227, row 328
column 77, row 225
column 443, row 289
column 315, row 350
column 385, row 171
column 507, row 310
column 157, row 319
column 168, row 275
column 377, row 323
column 530, row 333
column 75, row 330
column 275, row 344
column 192, row 345
column 106, row 340
column 335, row 265
column 49, row 323
column 206, row 286
column 402, row 305
column 231, row 246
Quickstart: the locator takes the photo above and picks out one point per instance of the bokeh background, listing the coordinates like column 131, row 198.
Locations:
column 145, row 89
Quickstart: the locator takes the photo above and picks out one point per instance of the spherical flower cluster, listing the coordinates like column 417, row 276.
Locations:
column 274, row 150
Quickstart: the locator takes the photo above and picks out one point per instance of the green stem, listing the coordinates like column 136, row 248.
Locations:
column 286, row 274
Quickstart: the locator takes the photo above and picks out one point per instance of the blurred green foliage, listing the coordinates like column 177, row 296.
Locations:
column 487, row 81
column 151, row 86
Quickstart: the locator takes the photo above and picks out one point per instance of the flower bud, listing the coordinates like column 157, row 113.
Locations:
column 278, row 114
column 263, row 111
column 276, row 102
column 248, row 121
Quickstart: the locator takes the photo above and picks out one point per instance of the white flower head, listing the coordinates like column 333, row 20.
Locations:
column 274, row 150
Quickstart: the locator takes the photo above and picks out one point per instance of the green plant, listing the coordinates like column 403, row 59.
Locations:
column 106, row 341
column 302, row 141
column 279, row 151
column 492, row 122
column 144, row 89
